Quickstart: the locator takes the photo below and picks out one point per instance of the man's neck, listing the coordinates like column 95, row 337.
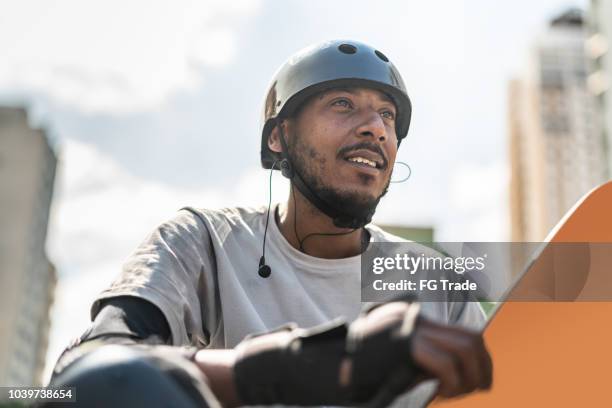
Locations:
column 301, row 216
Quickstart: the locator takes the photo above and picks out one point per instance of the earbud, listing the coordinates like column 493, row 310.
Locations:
column 286, row 168
column 264, row 270
column 409, row 172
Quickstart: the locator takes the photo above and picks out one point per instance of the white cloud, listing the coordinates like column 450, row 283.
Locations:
column 101, row 209
column 115, row 56
column 212, row 46
column 473, row 186
column 478, row 206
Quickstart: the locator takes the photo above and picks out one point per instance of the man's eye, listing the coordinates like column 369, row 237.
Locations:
column 342, row 102
column 388, row 114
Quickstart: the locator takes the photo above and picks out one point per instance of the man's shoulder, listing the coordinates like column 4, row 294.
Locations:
column 225, row 219
column 229, row 214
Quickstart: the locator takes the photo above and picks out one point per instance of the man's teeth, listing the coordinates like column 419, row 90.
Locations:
column 362, row 160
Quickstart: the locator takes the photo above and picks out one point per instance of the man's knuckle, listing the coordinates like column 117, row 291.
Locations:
column 464, row 348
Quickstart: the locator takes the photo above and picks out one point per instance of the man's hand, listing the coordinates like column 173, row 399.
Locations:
column 455, row 356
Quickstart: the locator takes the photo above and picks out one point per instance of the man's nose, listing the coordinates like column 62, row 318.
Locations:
column 373, row 126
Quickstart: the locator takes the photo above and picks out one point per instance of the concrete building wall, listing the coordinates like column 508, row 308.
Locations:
column 27, row 278
column 518, row 189
column 599, row 48
column 555, row 139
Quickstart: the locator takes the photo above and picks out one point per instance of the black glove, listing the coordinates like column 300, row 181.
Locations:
column 370, row 361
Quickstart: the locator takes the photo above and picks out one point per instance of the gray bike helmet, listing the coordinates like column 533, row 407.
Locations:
column 331, row 64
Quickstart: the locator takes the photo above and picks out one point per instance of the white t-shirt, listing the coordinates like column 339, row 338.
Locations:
column 201, row 270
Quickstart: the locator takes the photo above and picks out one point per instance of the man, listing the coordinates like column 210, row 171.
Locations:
column 334, row 118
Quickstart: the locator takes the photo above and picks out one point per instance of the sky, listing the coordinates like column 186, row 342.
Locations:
column 155, row 105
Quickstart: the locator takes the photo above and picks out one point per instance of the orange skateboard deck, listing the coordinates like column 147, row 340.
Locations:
column 557, row 354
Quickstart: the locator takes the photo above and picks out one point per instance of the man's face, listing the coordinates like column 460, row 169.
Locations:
column 343, row 143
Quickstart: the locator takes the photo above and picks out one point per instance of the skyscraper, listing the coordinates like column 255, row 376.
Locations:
column 27, row 278
column 599, row 47
column 556, row 150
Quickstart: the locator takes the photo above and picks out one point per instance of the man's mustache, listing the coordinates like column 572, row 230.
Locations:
column 373, row 147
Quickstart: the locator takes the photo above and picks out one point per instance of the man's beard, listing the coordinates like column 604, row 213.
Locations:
column 350, row 203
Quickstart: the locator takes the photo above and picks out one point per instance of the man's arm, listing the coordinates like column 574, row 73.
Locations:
column 133, row 321
column 218, row 367
column 130, row 320
column 122, row 320
column 174, row 269
column 130, row 317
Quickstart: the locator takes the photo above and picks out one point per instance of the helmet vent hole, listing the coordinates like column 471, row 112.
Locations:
column 381, row 56
column 347, row 48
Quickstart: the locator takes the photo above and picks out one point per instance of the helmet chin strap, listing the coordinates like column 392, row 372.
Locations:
column 342, row 218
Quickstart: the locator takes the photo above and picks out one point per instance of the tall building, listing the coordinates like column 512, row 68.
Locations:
column 27, row 278
column 556, row 150
column 599, row 47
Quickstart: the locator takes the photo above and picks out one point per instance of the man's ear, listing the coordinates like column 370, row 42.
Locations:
column 274, row 143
